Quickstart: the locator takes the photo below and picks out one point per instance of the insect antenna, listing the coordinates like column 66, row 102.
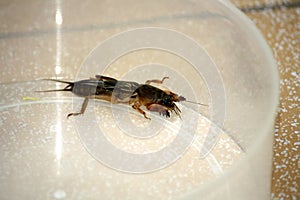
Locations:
column 201, row 104
column 181, row 98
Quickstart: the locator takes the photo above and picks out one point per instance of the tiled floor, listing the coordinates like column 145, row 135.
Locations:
column 34, row 45
column 279, row 21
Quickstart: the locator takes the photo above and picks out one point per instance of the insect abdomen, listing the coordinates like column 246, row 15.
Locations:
column 90, row 88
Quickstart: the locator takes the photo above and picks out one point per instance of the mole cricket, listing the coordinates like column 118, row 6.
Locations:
column 125, row 92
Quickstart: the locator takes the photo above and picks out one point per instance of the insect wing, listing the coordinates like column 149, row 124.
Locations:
column 124, row 90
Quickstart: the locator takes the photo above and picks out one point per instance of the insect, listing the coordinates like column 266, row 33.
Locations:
column 125, row 92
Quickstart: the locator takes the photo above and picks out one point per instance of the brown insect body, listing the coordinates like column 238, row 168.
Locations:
column 158, row 100
column 132, row 93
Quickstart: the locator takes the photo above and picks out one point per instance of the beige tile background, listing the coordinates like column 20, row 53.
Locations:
column 279, row 21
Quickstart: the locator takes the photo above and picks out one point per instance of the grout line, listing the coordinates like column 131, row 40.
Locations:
column 283, row 5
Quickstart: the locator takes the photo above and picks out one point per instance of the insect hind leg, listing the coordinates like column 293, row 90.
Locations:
column 82, row 110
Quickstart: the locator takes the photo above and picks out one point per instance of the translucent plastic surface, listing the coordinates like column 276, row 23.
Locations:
column 211, row 53
column 39, row 142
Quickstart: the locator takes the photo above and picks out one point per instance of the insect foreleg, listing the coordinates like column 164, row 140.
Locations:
column 159, row 108
column 83, row 108
column 156, row 80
